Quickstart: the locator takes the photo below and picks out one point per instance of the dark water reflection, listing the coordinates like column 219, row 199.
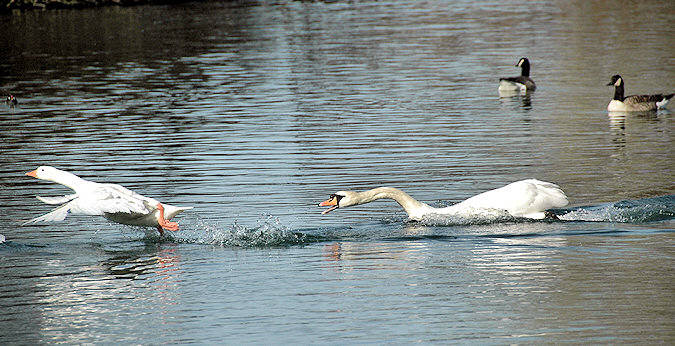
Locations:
column 252, row 112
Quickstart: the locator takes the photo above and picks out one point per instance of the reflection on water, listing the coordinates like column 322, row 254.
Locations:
column 254, row 112
column 516, row 99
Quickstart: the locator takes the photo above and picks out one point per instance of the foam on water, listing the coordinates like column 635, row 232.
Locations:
column 471, row 216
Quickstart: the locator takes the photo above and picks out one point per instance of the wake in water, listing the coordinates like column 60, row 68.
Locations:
column 467, row 218
column 628, row 211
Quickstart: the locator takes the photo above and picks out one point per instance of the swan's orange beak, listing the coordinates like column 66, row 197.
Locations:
column 32, row 174
column 332, row 202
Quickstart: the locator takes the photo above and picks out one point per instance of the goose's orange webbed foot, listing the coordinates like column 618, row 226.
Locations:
column 164, row 223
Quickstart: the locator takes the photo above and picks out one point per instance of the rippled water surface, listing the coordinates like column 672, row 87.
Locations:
column 253, row 112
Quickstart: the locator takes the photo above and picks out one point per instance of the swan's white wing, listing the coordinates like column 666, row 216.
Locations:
column 57, row 200
column 527, row 198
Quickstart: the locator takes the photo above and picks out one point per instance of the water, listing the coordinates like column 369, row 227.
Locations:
column 255, row 112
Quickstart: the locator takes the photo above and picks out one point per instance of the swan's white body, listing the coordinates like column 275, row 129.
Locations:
column 529, row 198
column 112, row 201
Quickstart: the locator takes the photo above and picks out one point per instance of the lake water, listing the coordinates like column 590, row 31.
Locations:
column 253, row 112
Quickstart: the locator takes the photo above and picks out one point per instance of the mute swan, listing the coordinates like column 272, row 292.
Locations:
column 522, row 82
column 634, row 103
column 112, row 201
column 529, row 198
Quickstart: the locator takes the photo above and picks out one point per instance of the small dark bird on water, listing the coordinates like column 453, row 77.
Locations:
column 11, row 100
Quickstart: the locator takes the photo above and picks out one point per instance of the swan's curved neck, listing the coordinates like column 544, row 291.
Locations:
column 409, row 204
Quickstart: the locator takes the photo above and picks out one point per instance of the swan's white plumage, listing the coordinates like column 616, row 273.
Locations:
column 526, row 198
column 112, row 201
column 529, row 198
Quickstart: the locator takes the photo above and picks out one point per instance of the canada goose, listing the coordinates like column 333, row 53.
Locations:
column 634, row 103
column 520, row 83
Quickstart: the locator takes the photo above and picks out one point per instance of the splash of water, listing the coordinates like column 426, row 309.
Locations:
column 267, row 232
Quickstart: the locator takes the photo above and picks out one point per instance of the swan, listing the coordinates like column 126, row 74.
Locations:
column 634, row 103
column 530, row 198
column 112, row 201
column 520, row 83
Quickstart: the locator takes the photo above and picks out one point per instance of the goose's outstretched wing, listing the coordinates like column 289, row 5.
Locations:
column 104, row 199
column 57, row 214
column 57, row 200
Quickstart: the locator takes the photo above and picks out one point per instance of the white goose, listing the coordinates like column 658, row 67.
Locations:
column 112, row 201
column 634, row 103
column 529, row 198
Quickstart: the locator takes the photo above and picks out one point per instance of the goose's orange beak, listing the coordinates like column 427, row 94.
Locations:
column 32, row 174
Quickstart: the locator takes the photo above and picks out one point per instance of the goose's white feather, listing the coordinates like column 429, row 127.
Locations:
column 507, row 85
column 56, row 200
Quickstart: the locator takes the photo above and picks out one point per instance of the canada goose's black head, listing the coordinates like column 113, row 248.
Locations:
column 616, row 81
column 524, row 64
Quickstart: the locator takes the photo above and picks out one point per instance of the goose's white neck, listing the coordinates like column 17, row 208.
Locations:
column 67, row 179
column 414, row 208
